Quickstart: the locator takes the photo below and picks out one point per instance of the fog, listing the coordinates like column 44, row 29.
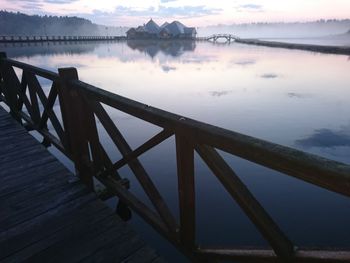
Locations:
column 320, row 28
column 327, row 32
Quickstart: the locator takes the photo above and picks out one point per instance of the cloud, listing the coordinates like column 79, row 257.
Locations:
column 220, row 93
column 163, row 11
column 37, row 5
column 326, row 138
column 249, row 8
column 298, row 95
column 59, row 1
column 40, row 2
column 33, row 6
column 167, row 1
column 269, row 76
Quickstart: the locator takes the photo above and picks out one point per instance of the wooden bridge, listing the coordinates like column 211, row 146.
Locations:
column 214, row 38
column 76, row 136
column 25, row 39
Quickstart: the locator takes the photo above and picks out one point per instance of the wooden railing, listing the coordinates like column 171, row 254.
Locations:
column 77, row 136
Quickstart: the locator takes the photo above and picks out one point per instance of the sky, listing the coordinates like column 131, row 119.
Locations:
column 192, row 12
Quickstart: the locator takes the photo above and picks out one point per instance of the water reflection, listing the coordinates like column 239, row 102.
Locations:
column 246, row 62
column 220, row 93
column 48, row 48
column 269, row 76
column 153, row 47
column 327, row 138
column 257, row 91
column 298, row 95
column 166, row 68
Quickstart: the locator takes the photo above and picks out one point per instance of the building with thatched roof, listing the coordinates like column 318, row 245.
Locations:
column 174, row 30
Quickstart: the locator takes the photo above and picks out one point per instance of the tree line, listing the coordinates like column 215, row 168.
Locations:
column 21, row 24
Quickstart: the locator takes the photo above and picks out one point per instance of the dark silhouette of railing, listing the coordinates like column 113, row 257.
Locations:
column 24, row 39
column 77, row 137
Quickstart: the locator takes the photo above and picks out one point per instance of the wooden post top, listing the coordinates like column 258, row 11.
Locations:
column 70, row 73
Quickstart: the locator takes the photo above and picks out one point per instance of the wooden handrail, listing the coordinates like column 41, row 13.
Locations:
column 35, row 70
column 317, row 170
column 77, row 137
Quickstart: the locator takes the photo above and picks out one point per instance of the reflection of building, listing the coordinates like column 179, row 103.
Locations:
column 151, row 30
column 152, row 47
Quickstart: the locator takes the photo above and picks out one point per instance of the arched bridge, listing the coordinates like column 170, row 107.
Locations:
column 226, row 37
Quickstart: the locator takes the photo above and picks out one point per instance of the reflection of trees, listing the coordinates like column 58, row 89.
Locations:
column 174, row 48
column 14, row 50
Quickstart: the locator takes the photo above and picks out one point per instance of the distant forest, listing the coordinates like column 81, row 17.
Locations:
column 21, row 24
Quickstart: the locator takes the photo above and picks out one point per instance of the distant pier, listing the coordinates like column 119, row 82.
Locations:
column 229, row 38
column 216, row 38
column 340, row 50
column 25, row 39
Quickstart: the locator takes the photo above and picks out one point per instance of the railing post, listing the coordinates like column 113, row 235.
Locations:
column 186, row 189
column 9, row 87
column 74, row 114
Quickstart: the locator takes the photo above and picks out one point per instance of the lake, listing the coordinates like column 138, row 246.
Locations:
column 294, row 98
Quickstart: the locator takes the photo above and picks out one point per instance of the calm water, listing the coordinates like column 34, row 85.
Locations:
column 295, row 98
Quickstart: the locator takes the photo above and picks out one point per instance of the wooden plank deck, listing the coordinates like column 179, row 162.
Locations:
column 46, row 215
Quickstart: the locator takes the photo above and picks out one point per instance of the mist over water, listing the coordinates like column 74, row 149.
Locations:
column 329, row 33
column 281, row 30
column 295, row 98
column 324, row 32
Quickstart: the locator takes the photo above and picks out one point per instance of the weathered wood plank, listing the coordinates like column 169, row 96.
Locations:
column 127, row 242
column 45, row 185
column 15, row 146
column 31, row 231
column 32, row 252
column 24, row 162
column 26, row 176
column 80, row 239
column 13, row 215
column 44, row 208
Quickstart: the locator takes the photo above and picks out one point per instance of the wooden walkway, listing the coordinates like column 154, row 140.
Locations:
column 29, row 39
column 46, row 215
